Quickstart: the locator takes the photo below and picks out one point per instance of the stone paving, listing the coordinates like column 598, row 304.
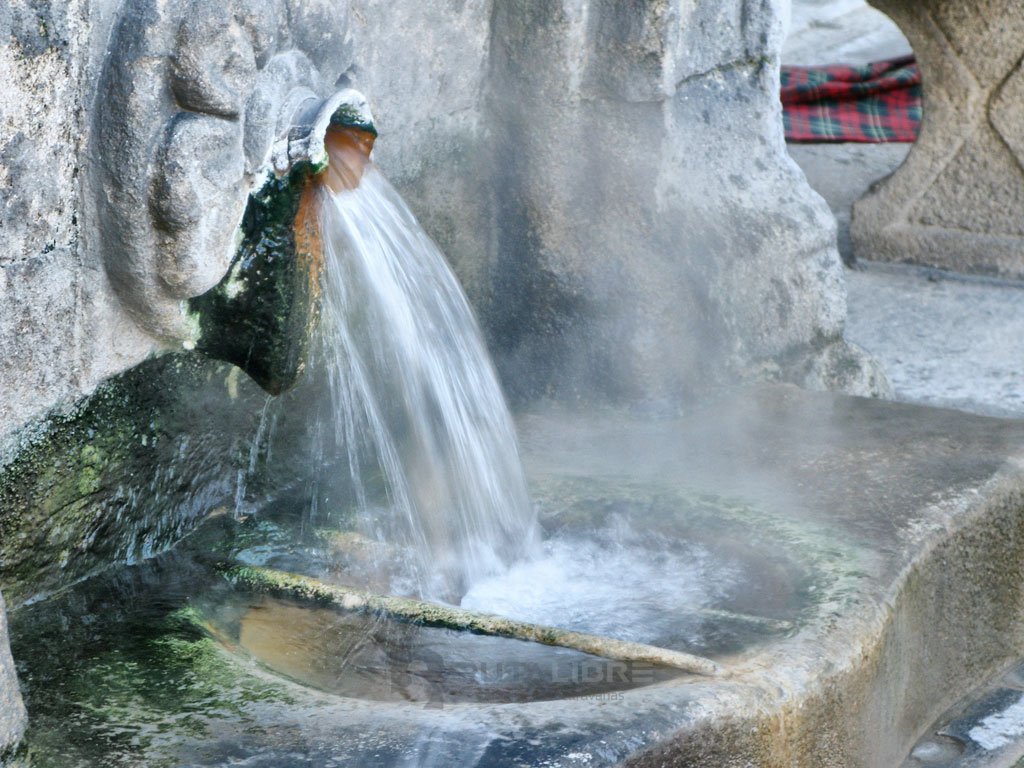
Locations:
column 944, row 339
column 840, row 32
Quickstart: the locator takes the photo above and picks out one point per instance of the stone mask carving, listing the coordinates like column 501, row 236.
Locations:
column 199, row 104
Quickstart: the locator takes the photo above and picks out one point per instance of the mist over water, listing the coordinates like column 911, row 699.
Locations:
column 430, row 442
column 614, row 581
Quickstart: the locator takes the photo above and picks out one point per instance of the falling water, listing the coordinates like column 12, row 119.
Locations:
column 430, row 442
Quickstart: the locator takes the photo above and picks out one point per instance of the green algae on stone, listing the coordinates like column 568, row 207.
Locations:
column 261, row 315
column 122, row 475
column 133, row 689
column 348, row 116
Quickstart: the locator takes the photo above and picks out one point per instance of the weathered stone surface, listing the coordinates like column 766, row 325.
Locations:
column 841, row 172
column 125, row 474
column 12, row 709
column 172, row 133
column 123, row 183
column 609, row 180
column 655, row 239
column 956, row 201
column 702, row 256
column 61, row 328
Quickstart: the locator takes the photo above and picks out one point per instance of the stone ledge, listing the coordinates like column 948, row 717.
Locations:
column 932, row 503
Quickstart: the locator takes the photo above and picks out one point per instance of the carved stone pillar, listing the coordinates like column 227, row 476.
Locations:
column 958, row 200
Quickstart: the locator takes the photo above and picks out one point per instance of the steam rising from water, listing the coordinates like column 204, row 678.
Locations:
column 614, row 582
column 431, row 444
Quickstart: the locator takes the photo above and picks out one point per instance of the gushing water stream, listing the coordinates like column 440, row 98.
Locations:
column 430, row 442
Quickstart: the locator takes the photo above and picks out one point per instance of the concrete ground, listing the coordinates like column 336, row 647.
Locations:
column 840, row 32
column 944, row 339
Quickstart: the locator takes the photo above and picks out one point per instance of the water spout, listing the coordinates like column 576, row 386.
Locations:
column 419, row 412
column 261, row 316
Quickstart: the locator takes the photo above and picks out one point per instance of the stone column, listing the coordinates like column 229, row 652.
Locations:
column 656, row 240
column 958, row 200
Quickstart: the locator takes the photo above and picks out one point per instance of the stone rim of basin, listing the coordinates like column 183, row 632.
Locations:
column 305, row 589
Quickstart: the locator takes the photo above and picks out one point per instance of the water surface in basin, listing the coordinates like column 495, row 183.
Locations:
column 621, row 580
column 124, row 671
column 634, row 564
column 369, row 657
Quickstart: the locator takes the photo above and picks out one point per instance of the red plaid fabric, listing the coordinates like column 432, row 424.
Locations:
column 873, row 103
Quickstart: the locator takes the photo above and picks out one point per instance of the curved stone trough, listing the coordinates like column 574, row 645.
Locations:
column 913, row 519
column 930, row 502
column 908, row 527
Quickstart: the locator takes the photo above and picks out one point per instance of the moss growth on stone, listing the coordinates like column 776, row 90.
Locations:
column 348, row 116
column 132, row 689
column 260, row 316
column 122, row 475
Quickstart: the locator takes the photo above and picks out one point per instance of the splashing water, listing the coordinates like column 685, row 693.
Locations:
column 612, row 581
column 430, row 442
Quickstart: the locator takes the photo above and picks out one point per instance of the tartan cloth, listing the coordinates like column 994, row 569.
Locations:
column 876, row 102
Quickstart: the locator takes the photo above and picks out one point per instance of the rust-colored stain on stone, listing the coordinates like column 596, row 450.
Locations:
column 349, row 151
column 309, row 246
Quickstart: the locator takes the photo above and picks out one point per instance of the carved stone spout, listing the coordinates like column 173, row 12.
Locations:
column 209, row 124
column 261, row 315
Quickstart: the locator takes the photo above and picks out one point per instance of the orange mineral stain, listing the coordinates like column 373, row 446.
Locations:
column 348, row 151
column 309, row 247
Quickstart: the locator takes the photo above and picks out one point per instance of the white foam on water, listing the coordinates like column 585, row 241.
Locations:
column 615, row 582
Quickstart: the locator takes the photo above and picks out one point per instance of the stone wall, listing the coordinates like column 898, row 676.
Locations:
column 655, row 240
column 608, row 179
column 61, row 328
column 80, row 299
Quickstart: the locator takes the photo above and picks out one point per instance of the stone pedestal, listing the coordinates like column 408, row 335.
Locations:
column 958, row 200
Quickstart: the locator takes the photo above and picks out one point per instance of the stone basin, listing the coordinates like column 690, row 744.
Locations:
column 725, row 577
column 891, row 536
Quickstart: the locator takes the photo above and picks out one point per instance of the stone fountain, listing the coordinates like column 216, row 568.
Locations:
column 611, row 186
